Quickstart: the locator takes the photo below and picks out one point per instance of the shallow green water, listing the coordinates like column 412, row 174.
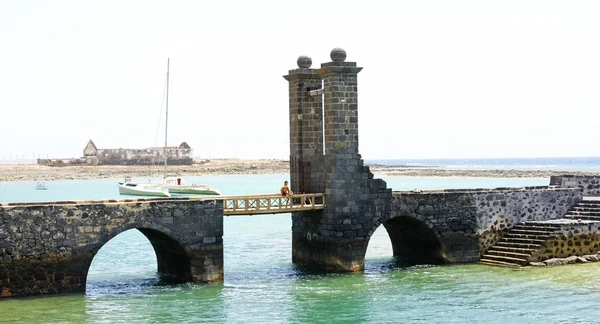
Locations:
column 262, row 285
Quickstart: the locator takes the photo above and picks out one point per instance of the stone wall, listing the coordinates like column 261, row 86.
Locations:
column 590, row 185
column 572, row 239
column 150, row 156
column 68, row 162
column 47, row 248
column 468, row 222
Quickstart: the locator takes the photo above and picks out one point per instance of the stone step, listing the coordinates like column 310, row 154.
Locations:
column 527, row 236
column 516, row 255
column 586, row 209
column 514, row 249
column 534, row 228
column 498, row 263
column 587, row 205
column 505, row 259
column 543, row 224
column 519, row 245
column 531, row 232
column 589, row 213
column 523, row 240
column 589, row 201
column 583, row 217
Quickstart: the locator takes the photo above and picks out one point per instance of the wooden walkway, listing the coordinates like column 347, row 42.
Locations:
column 271, row 204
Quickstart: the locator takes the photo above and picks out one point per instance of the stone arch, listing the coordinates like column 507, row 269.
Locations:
column 107, row 236
column 172, row 259
column 415, row 241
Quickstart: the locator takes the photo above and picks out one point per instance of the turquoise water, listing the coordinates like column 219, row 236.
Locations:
column 262, row 285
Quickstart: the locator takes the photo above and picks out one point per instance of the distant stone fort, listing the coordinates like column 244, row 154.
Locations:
column 176, row 155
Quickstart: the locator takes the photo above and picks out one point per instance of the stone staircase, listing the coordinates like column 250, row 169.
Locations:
column 585, row 210
column 516, row 246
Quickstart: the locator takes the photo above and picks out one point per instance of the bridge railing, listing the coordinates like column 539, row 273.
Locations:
column 271, row 204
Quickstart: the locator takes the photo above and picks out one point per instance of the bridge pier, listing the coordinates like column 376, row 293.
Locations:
column 336, row 238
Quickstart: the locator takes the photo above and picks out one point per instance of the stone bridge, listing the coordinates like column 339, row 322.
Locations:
column 432, row 227
column 48, row 248
column 458, row 225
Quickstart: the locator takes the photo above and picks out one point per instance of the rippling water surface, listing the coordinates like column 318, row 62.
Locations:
column 262, row 285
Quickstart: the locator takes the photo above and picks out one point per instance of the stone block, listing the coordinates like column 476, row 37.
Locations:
column 208, row 240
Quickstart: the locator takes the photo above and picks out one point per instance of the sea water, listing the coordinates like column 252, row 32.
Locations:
column 262, row 285
column 584, row 164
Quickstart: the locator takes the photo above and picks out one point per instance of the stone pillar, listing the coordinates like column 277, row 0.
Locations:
column 306, row 128
column 356, row 204
column 341, row 104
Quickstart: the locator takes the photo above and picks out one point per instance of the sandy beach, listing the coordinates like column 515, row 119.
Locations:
column 33, row 172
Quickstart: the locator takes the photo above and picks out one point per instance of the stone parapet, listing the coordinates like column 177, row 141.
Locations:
column 590, row 185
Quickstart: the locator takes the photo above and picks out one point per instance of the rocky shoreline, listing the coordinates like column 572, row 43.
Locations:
column 569, row 260
column 440, row 172
column 34, row 172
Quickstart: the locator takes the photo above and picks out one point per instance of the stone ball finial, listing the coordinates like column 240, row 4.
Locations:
column 338, row 55
column 304, row 62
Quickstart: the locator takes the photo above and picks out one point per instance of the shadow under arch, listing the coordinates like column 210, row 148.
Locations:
column 413, row 242
column 173, row 262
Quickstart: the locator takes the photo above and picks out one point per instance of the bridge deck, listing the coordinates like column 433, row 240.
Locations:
column 232, row 205
column 271, row 204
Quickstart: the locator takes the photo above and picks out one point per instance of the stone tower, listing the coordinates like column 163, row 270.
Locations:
column 336, row 238
column 306, row 128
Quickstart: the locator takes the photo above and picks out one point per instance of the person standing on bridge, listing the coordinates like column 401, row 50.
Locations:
column 286, row 192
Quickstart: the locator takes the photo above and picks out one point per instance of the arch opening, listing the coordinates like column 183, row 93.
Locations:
column 413, row 242
column 138, row 257
column 172, row 259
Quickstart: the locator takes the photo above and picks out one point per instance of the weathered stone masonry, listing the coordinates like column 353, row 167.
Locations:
column 466, row 222
column 569, row 240
column 590, row 185
column 336, row 238
column 48, row 248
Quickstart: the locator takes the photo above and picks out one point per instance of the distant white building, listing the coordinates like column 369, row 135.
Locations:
column 175, row 155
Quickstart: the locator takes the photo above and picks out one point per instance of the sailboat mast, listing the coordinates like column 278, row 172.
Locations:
column 167, row 116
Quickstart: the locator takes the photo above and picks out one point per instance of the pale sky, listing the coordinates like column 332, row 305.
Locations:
column 441, row 79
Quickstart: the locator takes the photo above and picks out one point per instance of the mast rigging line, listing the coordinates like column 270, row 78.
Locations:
column 167, row 116
column 159, row 123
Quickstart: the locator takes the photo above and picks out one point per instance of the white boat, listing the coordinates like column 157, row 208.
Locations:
column 41, row 186
column 173, row 185
column 143, row 189
column 177, row 185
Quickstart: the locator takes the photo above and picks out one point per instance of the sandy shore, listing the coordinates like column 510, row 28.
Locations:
column 33, row 172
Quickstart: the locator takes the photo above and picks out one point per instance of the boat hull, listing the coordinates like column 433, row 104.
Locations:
column 191, row 190
column 141, row 190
